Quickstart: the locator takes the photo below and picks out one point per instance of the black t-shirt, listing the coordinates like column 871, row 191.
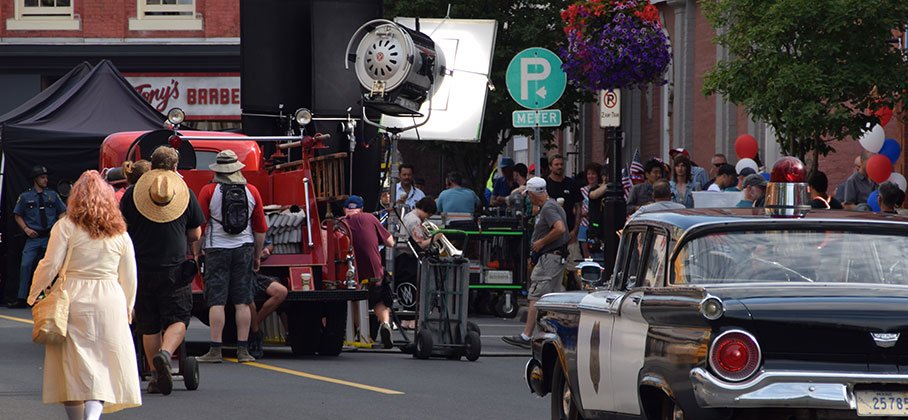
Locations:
column 834, row 204
column 568, row 190
column 160, row 245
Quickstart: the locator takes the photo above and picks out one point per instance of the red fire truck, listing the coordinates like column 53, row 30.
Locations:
column 313, row 256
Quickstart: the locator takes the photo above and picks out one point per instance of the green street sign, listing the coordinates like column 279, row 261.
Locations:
column 536, row 117
column 535, row 79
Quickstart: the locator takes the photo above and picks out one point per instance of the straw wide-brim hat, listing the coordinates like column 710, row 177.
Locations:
column 161, row 195
column 226, row 162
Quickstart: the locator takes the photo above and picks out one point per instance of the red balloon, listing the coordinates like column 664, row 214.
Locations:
column 884, row 114
column 879, row 168
column 746, row 146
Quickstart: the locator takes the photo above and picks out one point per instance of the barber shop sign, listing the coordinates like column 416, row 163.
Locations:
column 204, row 96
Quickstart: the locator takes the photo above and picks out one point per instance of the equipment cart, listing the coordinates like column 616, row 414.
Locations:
column 441, row 315
column 498, row 271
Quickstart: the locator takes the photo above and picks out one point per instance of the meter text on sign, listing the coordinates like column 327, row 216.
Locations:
column 536, row 118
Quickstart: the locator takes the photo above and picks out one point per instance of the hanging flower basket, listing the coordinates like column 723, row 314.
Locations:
column 614, row 44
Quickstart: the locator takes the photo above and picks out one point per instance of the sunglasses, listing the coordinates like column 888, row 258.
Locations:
column 719, row 164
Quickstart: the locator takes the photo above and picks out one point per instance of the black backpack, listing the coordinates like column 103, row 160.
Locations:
column 234, row 208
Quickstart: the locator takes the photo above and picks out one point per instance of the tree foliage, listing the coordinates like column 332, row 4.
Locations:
column 521, row 25
column 814, row 70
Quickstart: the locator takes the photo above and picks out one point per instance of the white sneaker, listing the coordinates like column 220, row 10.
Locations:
column 385, row 332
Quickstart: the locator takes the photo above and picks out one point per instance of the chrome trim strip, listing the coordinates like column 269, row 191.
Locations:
column 570, row 307
column 709, row 355
column 801, row 389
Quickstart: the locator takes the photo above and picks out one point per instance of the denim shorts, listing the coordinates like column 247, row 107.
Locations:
column 228, row 272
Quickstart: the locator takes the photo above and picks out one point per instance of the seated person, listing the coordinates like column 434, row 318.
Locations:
column 413, row 221
column 456, row 198
column 273, row 292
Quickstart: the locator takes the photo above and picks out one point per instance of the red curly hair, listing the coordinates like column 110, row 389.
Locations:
column 93, row 207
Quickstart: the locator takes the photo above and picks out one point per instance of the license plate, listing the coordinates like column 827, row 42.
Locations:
column 882, row 403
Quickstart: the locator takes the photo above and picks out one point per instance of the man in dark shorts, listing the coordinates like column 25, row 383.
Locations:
column 162, row 215
column 550, row 237
column 231, row 259
column 270, row 290
column 367, row 233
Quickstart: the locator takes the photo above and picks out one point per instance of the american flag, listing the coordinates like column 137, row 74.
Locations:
column 636, row 167
column 626, row 183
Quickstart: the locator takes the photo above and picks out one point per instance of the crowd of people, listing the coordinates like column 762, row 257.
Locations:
column 123, row 243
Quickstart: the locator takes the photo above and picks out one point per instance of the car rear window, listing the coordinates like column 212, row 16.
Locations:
column 793, row 256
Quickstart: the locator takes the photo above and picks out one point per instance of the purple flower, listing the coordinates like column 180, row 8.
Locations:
column 620, row 50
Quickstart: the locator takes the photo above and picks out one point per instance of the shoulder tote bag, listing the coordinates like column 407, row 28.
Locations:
column 51, row 314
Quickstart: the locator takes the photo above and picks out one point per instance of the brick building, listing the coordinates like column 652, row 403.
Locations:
column 679, row 115
column 195, row 44
column 168, row 46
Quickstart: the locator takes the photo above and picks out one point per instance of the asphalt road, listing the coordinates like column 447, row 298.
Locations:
column 361, row 384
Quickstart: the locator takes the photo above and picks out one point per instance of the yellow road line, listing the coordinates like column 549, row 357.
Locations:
column 22, row 320
column 277, row 369
column 319, row 378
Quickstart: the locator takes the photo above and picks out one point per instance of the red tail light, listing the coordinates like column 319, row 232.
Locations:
column 734, row 355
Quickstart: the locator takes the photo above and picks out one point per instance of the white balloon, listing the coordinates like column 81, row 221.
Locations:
column 899, row 179
column 746, row 163
column 872, row 140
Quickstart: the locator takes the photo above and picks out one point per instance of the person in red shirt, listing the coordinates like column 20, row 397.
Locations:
column 233, row 248
column 367, row 234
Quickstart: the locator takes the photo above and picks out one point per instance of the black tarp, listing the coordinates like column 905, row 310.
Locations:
column 63, row 130
column 47, row 96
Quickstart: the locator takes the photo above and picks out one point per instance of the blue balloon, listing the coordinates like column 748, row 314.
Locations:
column 873, row 200
column 892, row 150
column 765, row 175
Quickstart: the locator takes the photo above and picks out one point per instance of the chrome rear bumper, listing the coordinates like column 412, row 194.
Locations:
column 795, row 389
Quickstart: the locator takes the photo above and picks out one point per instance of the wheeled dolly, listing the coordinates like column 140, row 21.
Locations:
column 187, row 367
column 443, row 329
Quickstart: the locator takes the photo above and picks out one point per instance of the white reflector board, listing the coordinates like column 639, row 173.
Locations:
column 459, row 103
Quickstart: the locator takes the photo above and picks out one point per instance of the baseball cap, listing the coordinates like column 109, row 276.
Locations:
column 506, row 162
column 747, row 171
column 754, row 180
column 353, row 202
column 679, row 150
column 535, row 185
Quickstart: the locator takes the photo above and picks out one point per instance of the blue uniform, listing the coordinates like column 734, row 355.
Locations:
column 501, row 187
column 30, row 206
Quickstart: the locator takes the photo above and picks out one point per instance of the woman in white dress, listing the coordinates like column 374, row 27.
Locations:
column 94, row 370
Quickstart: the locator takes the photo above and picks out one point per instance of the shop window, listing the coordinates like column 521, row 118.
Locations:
column 33, row 15
column 164, row 15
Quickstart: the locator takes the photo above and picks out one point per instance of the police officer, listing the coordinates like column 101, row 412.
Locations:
column 37, row 209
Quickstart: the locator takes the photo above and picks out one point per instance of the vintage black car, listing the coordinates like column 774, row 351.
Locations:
column 733, row 313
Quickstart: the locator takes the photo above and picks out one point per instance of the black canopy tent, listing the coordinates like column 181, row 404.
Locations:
column 47, row 96
column 63, row 130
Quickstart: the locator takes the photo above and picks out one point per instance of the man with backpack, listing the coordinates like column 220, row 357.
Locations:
column 232, row 240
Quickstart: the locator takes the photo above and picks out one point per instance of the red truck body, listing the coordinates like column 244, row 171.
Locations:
column 315, row 277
